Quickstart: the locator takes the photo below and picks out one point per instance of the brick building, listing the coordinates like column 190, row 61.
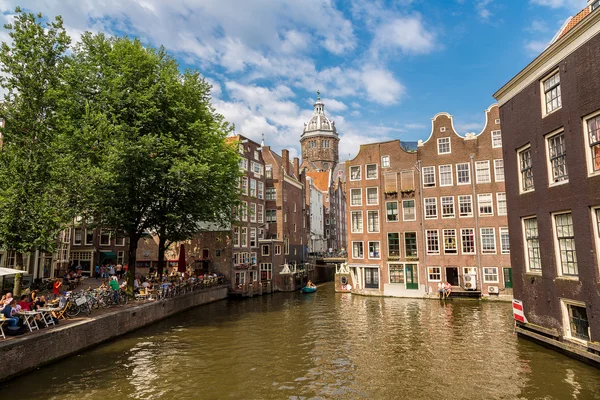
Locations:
column 551, row 129
column 418, row 218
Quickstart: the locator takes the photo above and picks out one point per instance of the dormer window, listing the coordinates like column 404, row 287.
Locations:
column 443, row 145
column 595, row 5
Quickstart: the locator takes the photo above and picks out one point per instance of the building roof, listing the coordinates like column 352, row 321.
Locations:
column 279, row 161
column 572, row 22
column 320, row 179
column 319, row 124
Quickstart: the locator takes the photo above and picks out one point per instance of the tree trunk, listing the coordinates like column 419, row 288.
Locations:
column 162, row 240
column 131, row 258
column 18, row 277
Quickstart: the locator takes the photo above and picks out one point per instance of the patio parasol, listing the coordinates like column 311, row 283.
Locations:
column 181, row 266
column 10, row 271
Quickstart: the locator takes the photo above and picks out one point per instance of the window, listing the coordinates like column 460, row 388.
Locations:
column 596, row 222
column 431, row 208
column 501, row 203
column 243, row 164
column 120, row 239
column 236, row 237
column 443, row 145
column 78, row 237
column 467, row 238
column 497, row 121
column 592, row 138
column 355, row 173
column 482, row 172
column 393, row 244
column 485, row 204
column 595, row 5
column 373, row 249
column 260, row 213
column 445, row 175
column 244, row 211
column 252, row 212
column 490, row 275
column 264, row 250
column 253, row 237
column 447, row 206
column 271, row 194
column 261, row 190
column 465, row 206
column 268, row 172
column 271, row 216
column 552, row 97
column 371, row 171
column 104, row 237
column 372, row 221
column 496, row 139
column 433, row 242
column 499, row 170
column 434, row 274
column 286, row 246
column 266, row 271
column 408, row 210
column 357, row 222
column 396, row 273
column 244, row 183
column 463, row 174
column 565, row 238
column 357, row 250
column 526, row 170
column 89, row 237
column 577, row 325
column 410, row 244
column 356, row 197
column 252, row 187
column 244, row 237
column 277, row 249
column 391, row 208
column 504, row 241
column 256, row 168
column 488, row 241
column 385, row 162
column 372, row 196
column 428, row 176
column 557, row 157
column 450, row 241
column 533, row 259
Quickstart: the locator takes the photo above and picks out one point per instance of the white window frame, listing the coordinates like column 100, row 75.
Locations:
column 485, row 275
column 458, row 182
column 360, row 191
column 425, row 205
column 432, row 252
column 397, row 211
column 449, row 231
column 416, row 243
column 378, row 221
column 414, row 208
column 520, row 151
column 526, row 249
column 252, row 212
column 501, row 232
column 549, row 167
column 385, row 161
column 567, row 333
column 481, row 241
column 453, row 215
column 596, row 229
column 439, row 142
column 359, row 172
column 363, row 250
column 367, row 172
column 470, row 197
column 557, row 248
column 495, row 134
column 481, row 196
column 588, row 148
column 376, row 197
column 498, row 164
column 447, row 173
column 478, row 178
column 462, row 245
column 369, row 249
column 501, row 210
column 352, row 222
column 550, row 75
column 430, row 172
column 430, row 272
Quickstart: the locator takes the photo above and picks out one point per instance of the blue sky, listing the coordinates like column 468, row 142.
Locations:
column 384, row 68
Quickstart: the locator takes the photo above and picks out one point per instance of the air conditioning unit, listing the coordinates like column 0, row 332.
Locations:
column 470, row 281
column 493, row 289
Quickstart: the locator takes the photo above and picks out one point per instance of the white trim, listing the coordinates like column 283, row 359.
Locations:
column 449, row 145
column 557, row 258
column 352, row 222
column 498, row 212
column 425, row 207
column 423, row 176
column 451, row 175
column 293, row 182
column 491, row 197
column 389, row 161
column 455, row 241
column 596, row 230
column 482, row 162
column 462, row 247
column 492, row 137
column 367, row 196
column 369, row 253
column 397, row 210
column 378, row 221
column 416, row 242
column 442, row 207
column 429, row 273
column 566, row 323
column 469, row 169
column 550, row 176
column 520, row 176
column 458, row 205
column 496, row 170
column 356, row 205
column 366, row 172
column 549, row 75
column 414, row 207
column 359, row 173
column 500, row 230
column 481, row 240
column 427, row 242
column 588, row 156
column 491, row 281
column 526, row 248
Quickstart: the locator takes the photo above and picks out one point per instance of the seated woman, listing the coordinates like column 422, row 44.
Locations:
column 310, row 284
column 441, row 289
column 24, row 303
column 9, row 311
column 448, row 288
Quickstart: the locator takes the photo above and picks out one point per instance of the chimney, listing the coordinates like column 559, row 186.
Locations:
column 285, row 155
column 297, row 167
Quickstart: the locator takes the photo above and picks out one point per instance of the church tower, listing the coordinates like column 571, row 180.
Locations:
column 319, row 141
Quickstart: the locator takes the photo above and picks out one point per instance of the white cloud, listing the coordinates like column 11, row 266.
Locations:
column 381, row 86
column 482, row 7
column 405, row 33
column 537, row 26
column 570, row 4
column 415, row 126
column 535, row 47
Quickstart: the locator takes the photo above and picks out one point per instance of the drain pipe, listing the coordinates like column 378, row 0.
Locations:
column 423, row 236
column 477, row 236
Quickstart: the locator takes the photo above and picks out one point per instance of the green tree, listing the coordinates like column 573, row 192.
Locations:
column 34, row 204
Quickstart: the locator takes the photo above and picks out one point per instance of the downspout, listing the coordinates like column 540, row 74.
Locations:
column 423, row 236
column 476, row 214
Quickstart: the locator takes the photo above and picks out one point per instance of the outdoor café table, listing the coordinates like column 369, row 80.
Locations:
column 29, row 317
column 47, row 315
column 2, row 322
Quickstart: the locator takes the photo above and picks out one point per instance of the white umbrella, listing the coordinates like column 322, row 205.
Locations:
column 10, row 271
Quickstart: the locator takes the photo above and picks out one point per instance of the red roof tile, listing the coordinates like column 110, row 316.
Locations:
column 321, row 179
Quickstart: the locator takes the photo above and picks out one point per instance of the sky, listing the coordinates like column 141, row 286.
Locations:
column 384, row 67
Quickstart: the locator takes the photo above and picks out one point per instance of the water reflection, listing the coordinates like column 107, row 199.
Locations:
column 321, row 346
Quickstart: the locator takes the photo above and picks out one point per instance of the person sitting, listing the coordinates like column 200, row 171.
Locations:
column 448, row 288
column 6, row 299
column 8, row 311
column 40, row 302
column 24, row 303
column 310, row 284
column 441, row 289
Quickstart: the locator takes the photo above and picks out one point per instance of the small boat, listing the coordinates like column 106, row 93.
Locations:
column 307, row 289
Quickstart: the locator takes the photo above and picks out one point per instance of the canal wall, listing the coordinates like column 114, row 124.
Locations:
column 31, row 351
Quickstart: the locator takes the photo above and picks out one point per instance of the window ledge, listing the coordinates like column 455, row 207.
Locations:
column 567, row 278
column 560, row 183
column 593, row 174
column 551, row 112
column 526, row 191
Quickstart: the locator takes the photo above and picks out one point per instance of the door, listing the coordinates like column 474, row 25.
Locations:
column 508, row 278
column 412, row 276
column 371, row 278
column 452, row 275
column 86, row 267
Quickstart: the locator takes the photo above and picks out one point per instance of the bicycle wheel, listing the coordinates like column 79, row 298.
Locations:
column 72, row 310
column 123, row 298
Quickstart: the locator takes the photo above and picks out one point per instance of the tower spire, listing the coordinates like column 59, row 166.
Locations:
column 262, row 143
column 318, row 95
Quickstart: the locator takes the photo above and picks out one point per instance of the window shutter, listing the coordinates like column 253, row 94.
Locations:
column 391, row 182
column 408, row 180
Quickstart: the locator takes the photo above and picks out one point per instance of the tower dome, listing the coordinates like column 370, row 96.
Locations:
column 319, row 124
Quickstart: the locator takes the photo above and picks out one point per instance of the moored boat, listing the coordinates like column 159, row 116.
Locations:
column 308, row 289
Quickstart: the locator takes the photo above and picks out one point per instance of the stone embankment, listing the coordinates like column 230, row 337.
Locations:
column 31, row 351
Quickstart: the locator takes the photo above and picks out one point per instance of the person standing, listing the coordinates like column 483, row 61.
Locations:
column 114, row 285
column 56, row 287
column 97, row 271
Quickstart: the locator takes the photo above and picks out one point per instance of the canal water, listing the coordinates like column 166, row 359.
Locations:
column 319, row 346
